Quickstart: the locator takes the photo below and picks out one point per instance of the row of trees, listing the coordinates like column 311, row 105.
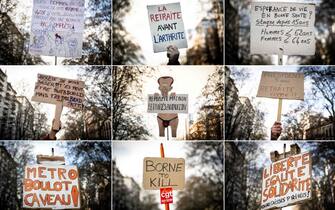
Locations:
column 94, row 121
column 209, row 124
column 310, row 112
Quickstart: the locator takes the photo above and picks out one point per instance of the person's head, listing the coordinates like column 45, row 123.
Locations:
column 165, row 84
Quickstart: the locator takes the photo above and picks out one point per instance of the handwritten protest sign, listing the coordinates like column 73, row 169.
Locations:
column 168, row 104
column 57, row 28
column 53, row 90
column 166, row 26
column 163, row 173
column 287, row 181
column 47, row 186
column 289, row 26
column 283, row 85
column 166, row 195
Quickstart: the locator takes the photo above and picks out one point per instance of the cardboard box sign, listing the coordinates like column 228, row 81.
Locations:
column 166, row 26
column 51, row 186
column 57, row 28
column 284, row 85
column 169, row 104
column 163, row 173
column 166, row 195
column 287, row 182
column 289, row 26
column 53, row 90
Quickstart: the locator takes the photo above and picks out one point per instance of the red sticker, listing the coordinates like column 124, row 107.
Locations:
column 166, row 195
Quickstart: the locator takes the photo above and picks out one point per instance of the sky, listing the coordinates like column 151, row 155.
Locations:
column 136, row 23
column 20, row 76
column 268, row 105
column 129, row 155
column 187, row 80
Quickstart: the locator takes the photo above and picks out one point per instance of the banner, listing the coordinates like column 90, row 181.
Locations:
column 289, row 26
column 57, row 28
column 287, row 181
column 166, row 26
column 168, row 104
column 163, row 173
column 53, row 90
column 284, row 85
column 51, row 186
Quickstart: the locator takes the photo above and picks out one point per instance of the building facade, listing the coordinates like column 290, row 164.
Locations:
column 8, row 181
column 16, row 112
column 235, row 178
column 323, row 131
column 11, row 42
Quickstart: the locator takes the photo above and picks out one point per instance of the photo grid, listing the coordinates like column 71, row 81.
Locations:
column 167, row 104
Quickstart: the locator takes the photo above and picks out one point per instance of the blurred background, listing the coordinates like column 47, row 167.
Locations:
column 93, row 160
column 15, row 22
column 203, row 175
column 205, row 89
column 244, row 163
column 237, row 35
column 251, row 117
column 132, row 44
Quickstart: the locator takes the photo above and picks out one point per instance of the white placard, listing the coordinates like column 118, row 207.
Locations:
column 287, row 181
column 286, row 26
column 57, row 28
column 166, row 26
column 51, row 186
column 168, row 104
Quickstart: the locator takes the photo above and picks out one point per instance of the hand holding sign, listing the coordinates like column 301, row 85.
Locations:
column 166, row 26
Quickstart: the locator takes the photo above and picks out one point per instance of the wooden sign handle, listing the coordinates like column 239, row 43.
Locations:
column 58, row 113
column 280, row 105
column 167, row 206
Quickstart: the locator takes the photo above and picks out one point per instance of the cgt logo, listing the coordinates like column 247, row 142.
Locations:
column 166, row 195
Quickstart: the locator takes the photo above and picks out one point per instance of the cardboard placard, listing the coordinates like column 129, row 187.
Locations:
column 51, row 186
column 163, row 173
column 166, row 26
column 54, row 90
column 166, row 195
column 282, row 85
column 57, row 28
column 168, row 104
column 289, row 26
column 287, row 182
